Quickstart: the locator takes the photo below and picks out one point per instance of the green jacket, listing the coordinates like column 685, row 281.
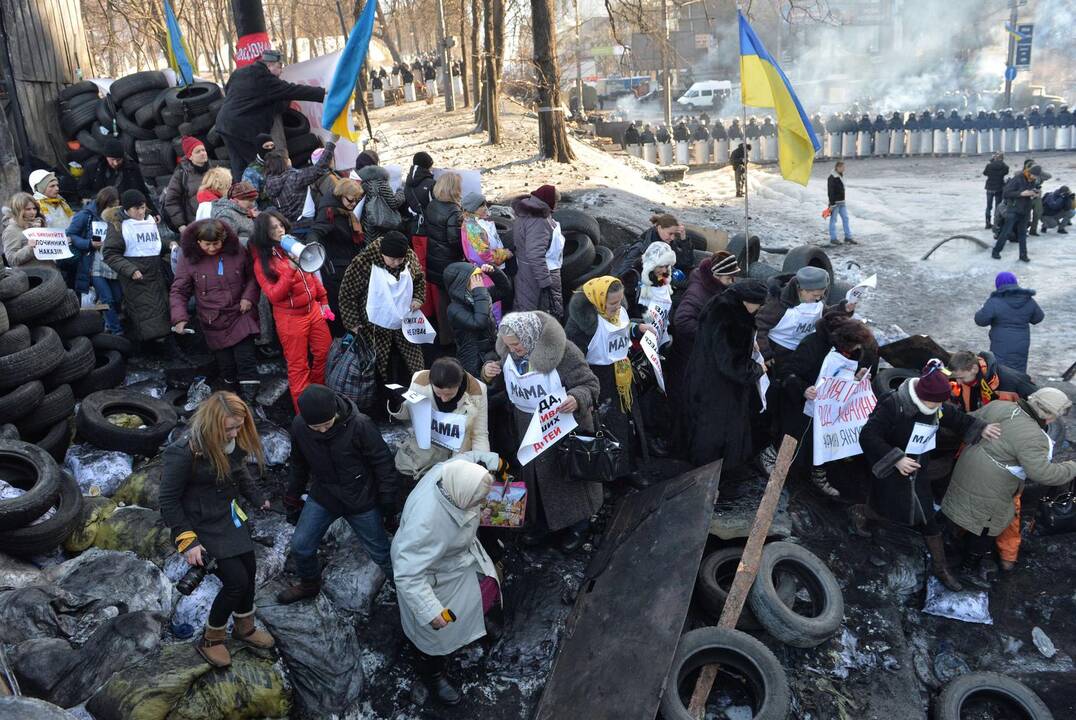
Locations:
column 981, row 493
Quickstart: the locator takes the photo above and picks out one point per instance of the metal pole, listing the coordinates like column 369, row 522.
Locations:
column 578, row 64
column 666, row 100
column 446, row 57
column 1012, row 52
column 746, row 162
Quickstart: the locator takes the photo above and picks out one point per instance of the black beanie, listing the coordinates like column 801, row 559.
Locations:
column 317, row 405
column 261, row 138
column 132, row 198
column 749, row 290
column 423, row 160
column 394, row 244
column 112, row 147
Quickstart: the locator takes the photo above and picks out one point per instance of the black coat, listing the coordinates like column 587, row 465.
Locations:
column 193, row 500
column 721, row 390
column 349, row 467
column 835, row 189
column 253, row 96
column 632, row 259
column 995, row 173
column 418, row 190
column 445, row 246
column 99, row 175
column 1011, row 192
column 470, row 315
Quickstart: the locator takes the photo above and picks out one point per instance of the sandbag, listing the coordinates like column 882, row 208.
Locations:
column 276, row 442
column 97, row 471
column 143, row 486
column 94, row 511
column 138, row 529
column 115, row 578
column 351, row 579
column 27, row 708
column 16, row 573
column 37, row 611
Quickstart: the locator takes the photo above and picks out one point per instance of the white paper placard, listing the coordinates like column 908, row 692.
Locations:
column 856, row 293
column 51, row 243
column 835, row 365
column 649, row 343
column 763, row 380
column 546, row 428
column 141, row 238
column 417, row 329
column 841, row 410
column 419, row 407
column 99, row 229
column 924, row 438
column 448, row 429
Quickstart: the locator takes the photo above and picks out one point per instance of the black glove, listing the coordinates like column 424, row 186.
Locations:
column 293, row 508
column 389, row 517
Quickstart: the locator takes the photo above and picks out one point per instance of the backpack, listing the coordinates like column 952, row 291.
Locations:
column 379, row 214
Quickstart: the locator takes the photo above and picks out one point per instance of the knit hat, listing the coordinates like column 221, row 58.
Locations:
column 317, row 405
column 112, row 147
column 1004, row 278
column 724, row 264
column 394, row 244
column 658, row 253
column 1049, row 401
column 367, row 158
column 40, row 179
column 1035, row 171
column 812, row 278
column 262, row 138
column 933, row 384
column 547, row 194
column 189, row 144
column 132, row 198
column 242, row 191
column 472, row 201
column 273, row 56
column 749, row 290
column 423, row 160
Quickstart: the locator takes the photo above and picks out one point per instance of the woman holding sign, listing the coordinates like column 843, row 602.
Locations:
column 380, row 296
column 18, row 248
column 133, row 250
column 87, row 233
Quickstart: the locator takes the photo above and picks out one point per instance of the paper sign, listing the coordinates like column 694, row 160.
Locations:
column 763, row 380
column 835, row 365
column 649, row 344
column 417, row 329
column 51, row 243
column 924, row 438
column 840, row 412
column 448, row 429
column 141, row 238
column 99, row 229
column 546, row 428
column 419, row 407
column 856, row 294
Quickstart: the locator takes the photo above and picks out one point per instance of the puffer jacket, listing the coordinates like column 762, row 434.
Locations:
column 80, row 234
column 445, row 245
column 181, row 195
column 701, row 288
column 470, row 315
column 294, row 290
column 1009, row 312
column 995, row 173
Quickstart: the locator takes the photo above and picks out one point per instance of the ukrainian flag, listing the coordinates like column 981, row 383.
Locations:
column 763, row 84
column 177, row 49
column 336, row 115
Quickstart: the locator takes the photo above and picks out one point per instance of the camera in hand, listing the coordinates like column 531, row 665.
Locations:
column 193, row 577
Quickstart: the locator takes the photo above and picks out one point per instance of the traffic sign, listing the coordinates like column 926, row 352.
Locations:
column 1023, row 44
column 1010, row 73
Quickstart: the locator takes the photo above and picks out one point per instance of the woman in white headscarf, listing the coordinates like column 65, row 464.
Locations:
column 445, row 581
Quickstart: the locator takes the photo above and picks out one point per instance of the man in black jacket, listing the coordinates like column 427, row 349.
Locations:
column 352, row 476
column 995, row 172
column 835, row 192
column 116, row 170
column 738, row 158
column 1019, row 194
column 254, row 95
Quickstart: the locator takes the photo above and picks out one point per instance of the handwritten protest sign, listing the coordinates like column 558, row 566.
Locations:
column 649, row 344
column 856, row 294
column 834, row 365
column 841, row 410
column 51, row 243
column 417, row 329
column 546, row 428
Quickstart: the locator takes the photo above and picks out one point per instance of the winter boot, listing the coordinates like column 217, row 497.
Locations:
column 432, row 672
column 299, row 591
column 212, row 648
column 818, row 479
column 244, row 630
column 971, row 571
column 936, row 545
column 861, row 515
column 768, row 458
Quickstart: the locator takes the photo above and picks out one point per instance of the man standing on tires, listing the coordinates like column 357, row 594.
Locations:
column 254, row 95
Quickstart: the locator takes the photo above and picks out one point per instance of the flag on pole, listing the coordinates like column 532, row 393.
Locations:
column 177, row 48
column 763, row 84
column 336, row 115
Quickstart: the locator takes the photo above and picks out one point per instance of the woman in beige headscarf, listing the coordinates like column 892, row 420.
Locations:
column 445, row 581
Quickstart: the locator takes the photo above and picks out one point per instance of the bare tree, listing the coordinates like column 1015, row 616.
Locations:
column 490, row 100
column 552, row 133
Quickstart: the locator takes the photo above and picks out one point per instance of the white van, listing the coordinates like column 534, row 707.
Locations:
column 701, row 94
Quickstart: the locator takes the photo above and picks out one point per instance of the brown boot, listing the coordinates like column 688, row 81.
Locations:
column 299, row 591
column 244, row 630
column 212, row 648
column 936, row 545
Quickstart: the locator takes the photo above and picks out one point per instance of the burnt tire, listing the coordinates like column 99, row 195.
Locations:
column 715, row 578
column 108, row 372
column 13, row 283
column 42, row 357
column 48, row 534
column 140, row 101
column 784, row 622
column 1014, row 693
column 9, row 432
column 155, row 152
column 746, row 252
column 77, row 363
column 55, row 440
column 745, row 659
column 807, row 256
column 889, row 379
column 103, row 342
column 46, row 291
column 295, row 124
column 578, row 221
column 31, row 469
column 64, row 310
column 14, row 340
column 5, row 322
column 56, row 406
column 134, row 83
column 603, row 261
column 86, row 321
column 578, row 257
column 21, row 401
column 78, row 88
column 147, row 115
column 303, row 145
column 93, row 426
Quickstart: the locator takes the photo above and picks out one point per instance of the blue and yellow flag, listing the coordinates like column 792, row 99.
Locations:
column 178, row 56
column 336, row 115
column 763, row 84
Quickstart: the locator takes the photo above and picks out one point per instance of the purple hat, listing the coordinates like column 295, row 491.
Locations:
column 1004, row 278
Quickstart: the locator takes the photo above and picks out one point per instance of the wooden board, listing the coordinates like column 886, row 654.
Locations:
column 716, row 238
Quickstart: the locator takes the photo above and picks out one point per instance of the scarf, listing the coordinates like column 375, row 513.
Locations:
column 53, row 210
column 596, row 291
column 479, row 250
column 452, row 404
column 465, row 485
column 525, row 327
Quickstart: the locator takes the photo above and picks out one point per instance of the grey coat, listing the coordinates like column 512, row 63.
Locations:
column 537, row 287
column 1009, row 312
column 227, row 211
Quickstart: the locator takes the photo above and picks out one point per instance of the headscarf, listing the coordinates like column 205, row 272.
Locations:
column 524, row 326
column 466, row 485
column 596, row 291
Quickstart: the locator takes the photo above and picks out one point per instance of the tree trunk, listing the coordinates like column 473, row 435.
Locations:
column 491, row 106
column 552, row 134
column 394, row 47
column 463, row 55
column 476, row 68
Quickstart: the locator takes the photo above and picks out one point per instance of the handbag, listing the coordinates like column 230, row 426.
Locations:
column 591, row 458
column 379, row 215
column 642, row 372
column 351, row 370
column 505, row 506
column 1057, row 514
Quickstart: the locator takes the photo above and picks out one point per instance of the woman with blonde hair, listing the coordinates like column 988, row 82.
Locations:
column 22, row 214
column 205, row 474
column 215, row 185
column 340, row 233
column 443, row 224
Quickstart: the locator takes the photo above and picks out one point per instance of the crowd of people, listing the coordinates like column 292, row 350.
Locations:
column 739, row 359
column 1017, row 207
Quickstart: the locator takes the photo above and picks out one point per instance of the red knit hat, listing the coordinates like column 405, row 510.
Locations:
column 189, row 144
column 242, row 190
column 933, row 384
column 547, row 194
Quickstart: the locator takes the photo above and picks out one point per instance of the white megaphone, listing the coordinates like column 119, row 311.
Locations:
column 309, row 257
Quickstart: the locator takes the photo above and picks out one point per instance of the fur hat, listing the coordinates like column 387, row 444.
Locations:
column 394, row 244
column 658, row 253
column 812, row 278
column 1049, row 401
column 423, row 160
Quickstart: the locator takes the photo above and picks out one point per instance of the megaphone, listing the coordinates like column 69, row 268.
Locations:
column 309, row 257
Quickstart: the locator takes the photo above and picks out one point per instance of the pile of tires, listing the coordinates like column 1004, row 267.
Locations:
column 301, row 142
column 85, row 121
column 26, row 526
column 585, row 257
column 52, row 352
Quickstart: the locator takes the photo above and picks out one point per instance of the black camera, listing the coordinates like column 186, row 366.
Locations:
column 194, row 577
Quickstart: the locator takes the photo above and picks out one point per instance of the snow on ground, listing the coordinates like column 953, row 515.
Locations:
column 899, row 209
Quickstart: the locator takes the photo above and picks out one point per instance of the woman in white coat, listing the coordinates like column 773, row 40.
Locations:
column 445, row 581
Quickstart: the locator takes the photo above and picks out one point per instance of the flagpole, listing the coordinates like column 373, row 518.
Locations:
column 746, row 162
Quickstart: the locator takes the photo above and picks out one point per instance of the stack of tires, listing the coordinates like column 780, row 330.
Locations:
column 26, row 525
column 85, row 121
column 52, row 352
column 301, row 142
column 585, row 257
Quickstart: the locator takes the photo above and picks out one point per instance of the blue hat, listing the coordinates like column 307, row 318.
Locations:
column 1004, row 278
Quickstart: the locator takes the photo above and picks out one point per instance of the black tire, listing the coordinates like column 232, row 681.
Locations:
column 130, row 127
column 295, row 124
column 714, row 579
column 738, row 654
column 65, row 309
column 761, row 271
column 93, row 425
column 578, row 257
column 109, row 371
column 957, row 693
column 57, row 405
column 213, row 137
column 303, row 144
column 165, row 132
column 129, row 85
column 747, row 253
column 9, row 432
column 46, row 291
column 836, row 292
column 21, row 401
column 103, row 342
column 78, row 88
column 889, row 379
column 91, row 140
column 147, row 115
column 42, row 357
column 784, row 622
column 193, row 97
column 14, row 340
column 48, row 534
column 807, row 256
column 77, row 363
column 198, row 125
column 78, row 118
column 77, row 101
column 86, row 322
column 139, row 101
column 106, row 116
column 81, row 156
column 157, row 174
column 5, row 322
column 155, row 152
column 55, row 441
column 31, row 469
column 13, row 283
column 603, row 260
column 577, row 221
column 172, row 117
